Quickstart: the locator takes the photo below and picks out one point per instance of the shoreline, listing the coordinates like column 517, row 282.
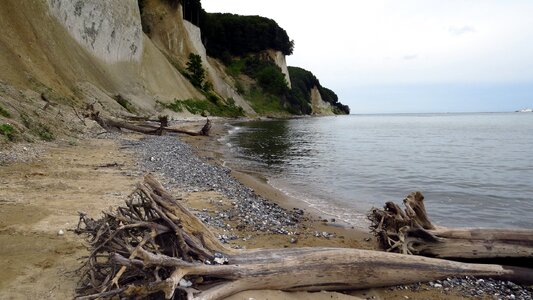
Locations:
column 211, row 149
column 42, row 195
column 317, row 207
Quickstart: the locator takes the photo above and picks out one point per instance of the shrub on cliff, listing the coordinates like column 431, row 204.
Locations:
column 4, row 112
column 8, row 131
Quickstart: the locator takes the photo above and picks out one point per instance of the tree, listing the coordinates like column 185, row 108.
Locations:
column 237, row 35
column 272, row 80
column 196, row 70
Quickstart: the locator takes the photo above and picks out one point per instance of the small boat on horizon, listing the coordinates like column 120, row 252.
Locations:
column 525, row 110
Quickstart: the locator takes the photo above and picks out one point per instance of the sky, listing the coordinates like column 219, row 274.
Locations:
column 409, row 56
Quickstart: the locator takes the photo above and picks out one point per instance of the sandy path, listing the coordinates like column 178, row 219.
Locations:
column 40, row 198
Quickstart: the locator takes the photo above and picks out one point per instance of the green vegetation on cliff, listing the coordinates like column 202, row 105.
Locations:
column 196, row 71
column 212, row 107
column 270, row 93
column 227, row 35
column 302, row 83
column 8, row 131
column 240, row 42
column 4, row 112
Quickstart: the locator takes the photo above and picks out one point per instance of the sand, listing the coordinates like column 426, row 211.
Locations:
column 41, row 197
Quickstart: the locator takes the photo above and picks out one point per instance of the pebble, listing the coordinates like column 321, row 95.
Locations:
column 477, row 288
column 185, row 283
column 21, row 153
column 221, row 260
column 61, row 232
column 176, row 161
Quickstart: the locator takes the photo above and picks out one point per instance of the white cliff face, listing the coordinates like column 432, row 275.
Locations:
column 195, row 37
column 319, row 106
column 109, row 29
column 279, row 59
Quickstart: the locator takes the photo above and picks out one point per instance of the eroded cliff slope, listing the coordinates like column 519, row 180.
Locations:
column 60, row 44
column 90, row 51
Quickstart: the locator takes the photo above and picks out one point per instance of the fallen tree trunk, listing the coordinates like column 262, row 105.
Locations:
column 111, row 124
column 410, row 231
column 154, row 247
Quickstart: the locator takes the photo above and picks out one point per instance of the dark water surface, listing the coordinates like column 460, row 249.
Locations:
column 474, row 169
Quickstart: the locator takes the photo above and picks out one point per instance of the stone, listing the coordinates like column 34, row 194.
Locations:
column 185, row 283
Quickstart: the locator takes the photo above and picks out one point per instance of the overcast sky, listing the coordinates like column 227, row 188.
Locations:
column 383, row 56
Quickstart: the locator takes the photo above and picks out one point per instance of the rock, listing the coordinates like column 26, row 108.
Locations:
column 221, row 260
column 437, row 285
column 185, row 283
column 294, row 240
column 61, row 232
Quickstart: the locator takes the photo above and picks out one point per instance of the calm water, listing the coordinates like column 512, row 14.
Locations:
column 474, row 169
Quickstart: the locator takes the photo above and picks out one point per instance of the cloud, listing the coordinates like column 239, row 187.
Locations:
column 461, row 30
column 410, row 57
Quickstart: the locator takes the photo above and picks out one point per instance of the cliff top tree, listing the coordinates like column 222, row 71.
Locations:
column 234, row 35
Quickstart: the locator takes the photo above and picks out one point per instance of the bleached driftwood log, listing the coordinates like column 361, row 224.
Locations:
column 410, row 231
column 154, row 247
column 110, row 124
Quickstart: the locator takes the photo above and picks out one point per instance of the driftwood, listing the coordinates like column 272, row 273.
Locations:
column 155, row 248
column 112, row 124
column 410, row 231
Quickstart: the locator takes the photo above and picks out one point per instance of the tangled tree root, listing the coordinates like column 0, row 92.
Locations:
column 410, row 231
column 154, row 248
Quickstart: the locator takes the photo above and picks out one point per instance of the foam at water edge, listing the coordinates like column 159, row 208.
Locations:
column 351, row 218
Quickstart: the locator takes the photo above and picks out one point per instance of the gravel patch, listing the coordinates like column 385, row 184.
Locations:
column 472, row 287
column 21, row 153
column 183, row 169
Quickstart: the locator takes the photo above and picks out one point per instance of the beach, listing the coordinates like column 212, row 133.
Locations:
column 44, row 186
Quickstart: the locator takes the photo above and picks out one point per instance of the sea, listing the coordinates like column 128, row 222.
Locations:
column 474, row 170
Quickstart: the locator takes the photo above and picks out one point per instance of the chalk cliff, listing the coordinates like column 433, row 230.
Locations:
column 109, row 30
column 279, row 59
column 177, row 38
column 89, row 50
column 318, row 105
column 70, row 45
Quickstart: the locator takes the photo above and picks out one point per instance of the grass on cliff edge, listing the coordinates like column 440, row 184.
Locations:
column 8, row 131
column 4, row 112
column 264, row 103
column 215, row 107
column 125, row 104
column 43, row 131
